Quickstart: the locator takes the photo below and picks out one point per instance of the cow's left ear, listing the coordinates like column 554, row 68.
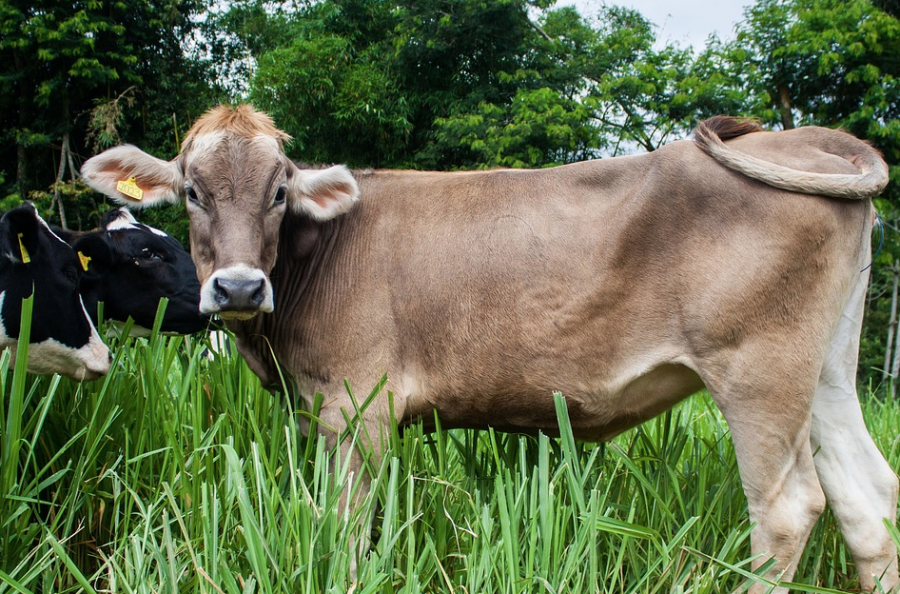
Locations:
column 131, row 176
column 19, row 234
column 94, row 253
column 322, row 194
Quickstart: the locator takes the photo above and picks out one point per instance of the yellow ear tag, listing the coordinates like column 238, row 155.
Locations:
column 130, row 188
column 84, row 260
column 25, row 257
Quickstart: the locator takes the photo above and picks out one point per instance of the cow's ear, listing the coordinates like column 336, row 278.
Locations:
column 94, row 253
column 131, row 176
column 321, row 193
column 117, row 217
column 19, row 234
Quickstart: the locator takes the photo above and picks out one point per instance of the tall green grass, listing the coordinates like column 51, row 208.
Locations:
column 179, row 473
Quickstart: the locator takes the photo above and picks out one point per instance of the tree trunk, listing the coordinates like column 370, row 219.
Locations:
column 24, row 117
column 784, row 107
column 892, row 331
column 64, row 157
column 21, row 170
column 73, row 171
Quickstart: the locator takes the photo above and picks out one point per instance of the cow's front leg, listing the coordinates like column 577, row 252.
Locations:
column 356, row 453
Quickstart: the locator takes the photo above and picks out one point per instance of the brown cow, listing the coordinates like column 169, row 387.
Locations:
column 627, row 284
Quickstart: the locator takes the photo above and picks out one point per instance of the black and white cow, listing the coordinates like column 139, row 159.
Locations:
column 35, row 260
column 130, row 266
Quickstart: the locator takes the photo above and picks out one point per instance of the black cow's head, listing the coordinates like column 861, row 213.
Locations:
column 130, row 267
column 35, row 260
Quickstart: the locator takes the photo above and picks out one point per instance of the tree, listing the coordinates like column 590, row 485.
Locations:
column 527, row 111
column 50, row 53
column 440, row 84
column 825, row 62
column 362, row 81
column 646, row 97
column 331, row 86
column 536, row 128
column 593, row 91
column 59, row 60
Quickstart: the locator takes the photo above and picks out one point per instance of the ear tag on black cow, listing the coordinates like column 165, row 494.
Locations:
column 25, row 257
column 84, row 260
column 130, row 188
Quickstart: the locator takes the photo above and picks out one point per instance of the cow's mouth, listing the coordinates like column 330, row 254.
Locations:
column 238, row 315
column 85, row 375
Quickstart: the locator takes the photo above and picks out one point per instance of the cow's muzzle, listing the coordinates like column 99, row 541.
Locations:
column 236, row 292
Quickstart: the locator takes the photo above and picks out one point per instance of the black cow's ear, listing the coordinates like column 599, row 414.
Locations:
column 19, row 239
column 120, row 215
column 94, row 253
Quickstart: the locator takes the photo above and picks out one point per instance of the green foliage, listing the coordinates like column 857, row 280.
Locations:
column 326, row 79
column 63, row 37
column 60, row 62
column 536, row 129
column 107, row 119
column 438, row 85
column 179, row 473
column 347, row 111
column 643, row 96
column 830, row 62
column 459, row 50
column 90, row 208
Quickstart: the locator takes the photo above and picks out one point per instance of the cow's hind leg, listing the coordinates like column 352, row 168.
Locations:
column 859, row 484
column 767, row 402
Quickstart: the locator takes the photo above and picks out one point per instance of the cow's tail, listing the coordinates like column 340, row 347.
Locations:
column 871, row 179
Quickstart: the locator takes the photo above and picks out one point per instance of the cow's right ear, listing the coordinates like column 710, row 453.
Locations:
column 19, row 234
column 94, row 253
column 131, row 176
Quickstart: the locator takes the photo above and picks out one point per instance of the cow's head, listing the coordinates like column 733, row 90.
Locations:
column 34, row 260
column 237, row 184
column 130, row 266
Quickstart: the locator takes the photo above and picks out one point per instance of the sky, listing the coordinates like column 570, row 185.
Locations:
column 686, row 22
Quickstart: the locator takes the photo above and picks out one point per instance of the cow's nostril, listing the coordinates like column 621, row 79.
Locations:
column 220, row 293
column 259, row 293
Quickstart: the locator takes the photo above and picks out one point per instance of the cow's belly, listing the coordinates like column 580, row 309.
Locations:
column 597, row 413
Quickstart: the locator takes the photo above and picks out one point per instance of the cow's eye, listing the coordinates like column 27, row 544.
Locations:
column 148, row 254
column 279, row 196
column 191, row 195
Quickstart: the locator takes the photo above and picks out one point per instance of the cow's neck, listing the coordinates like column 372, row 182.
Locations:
column 304, row 248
